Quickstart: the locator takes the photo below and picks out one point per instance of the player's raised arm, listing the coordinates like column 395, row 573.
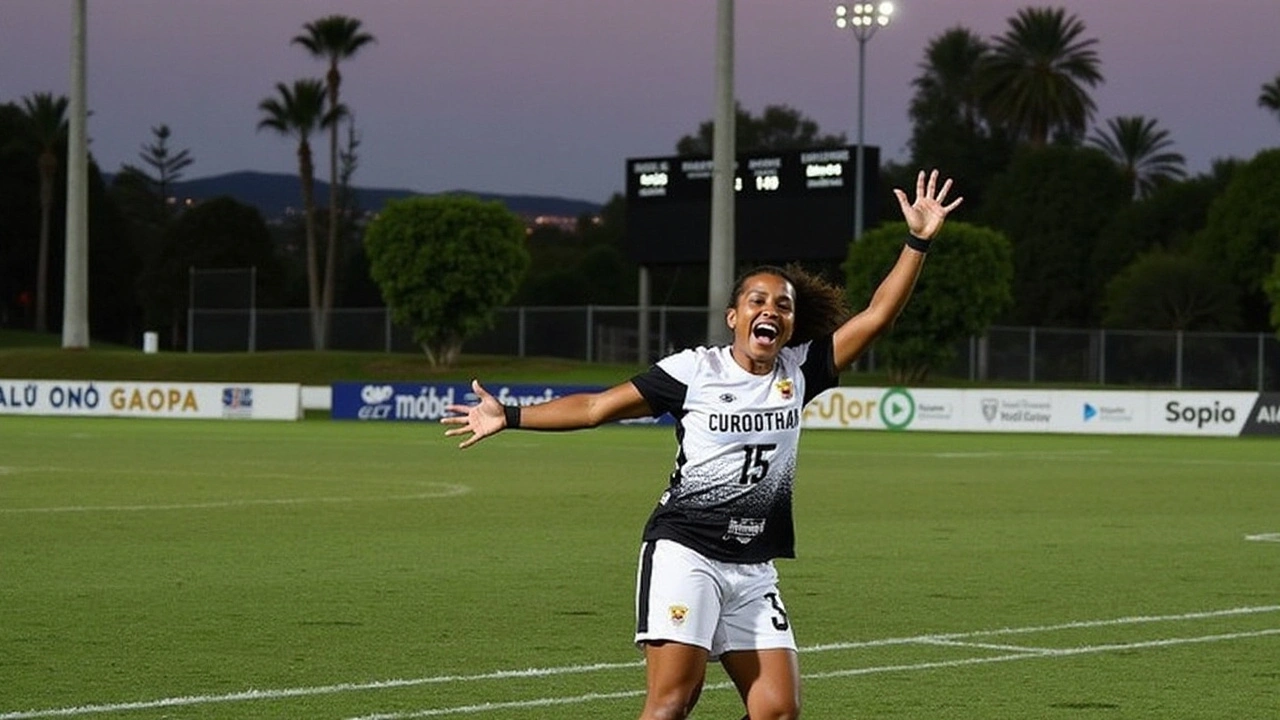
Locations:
column 571, row 412
column 925, row 216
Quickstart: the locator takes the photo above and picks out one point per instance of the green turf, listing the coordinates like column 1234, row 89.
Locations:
column 180, row 564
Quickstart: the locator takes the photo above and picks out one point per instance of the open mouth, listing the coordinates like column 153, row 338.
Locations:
column 765, row 332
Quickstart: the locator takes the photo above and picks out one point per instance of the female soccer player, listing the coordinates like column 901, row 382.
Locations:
column 706, row 583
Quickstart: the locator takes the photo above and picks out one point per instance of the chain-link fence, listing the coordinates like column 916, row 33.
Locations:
column 1208, row 361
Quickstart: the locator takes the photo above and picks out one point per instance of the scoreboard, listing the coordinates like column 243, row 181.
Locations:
column 788, row 205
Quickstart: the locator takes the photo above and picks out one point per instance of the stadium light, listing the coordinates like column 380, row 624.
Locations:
column 863, row 19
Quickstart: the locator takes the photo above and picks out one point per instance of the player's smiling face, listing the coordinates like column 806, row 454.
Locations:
column 762, row 320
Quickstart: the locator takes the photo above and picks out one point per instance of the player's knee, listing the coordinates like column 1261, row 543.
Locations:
column 669, row 706
column 777, row 707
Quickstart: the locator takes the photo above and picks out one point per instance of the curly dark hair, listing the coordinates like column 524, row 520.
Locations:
column 821, row 307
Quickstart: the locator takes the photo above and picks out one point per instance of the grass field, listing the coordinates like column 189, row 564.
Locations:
column 192, row 569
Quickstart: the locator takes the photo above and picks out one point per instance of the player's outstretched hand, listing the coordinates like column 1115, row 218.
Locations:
column 481, row 420
column 926, row 213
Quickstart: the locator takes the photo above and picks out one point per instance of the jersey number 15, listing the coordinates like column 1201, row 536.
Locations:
column 755, row 463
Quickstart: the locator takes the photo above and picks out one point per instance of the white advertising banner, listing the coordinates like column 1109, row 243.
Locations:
column 1113, row 412
column 112, row 398
column 1217, row 413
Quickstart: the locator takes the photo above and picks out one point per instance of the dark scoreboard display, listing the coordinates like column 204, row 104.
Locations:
column 789, row 205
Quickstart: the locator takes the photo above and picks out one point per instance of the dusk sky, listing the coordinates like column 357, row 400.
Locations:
column 549, row 97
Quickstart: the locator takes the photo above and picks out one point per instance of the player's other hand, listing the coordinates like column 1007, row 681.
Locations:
column 926, row 213
column 480, row 420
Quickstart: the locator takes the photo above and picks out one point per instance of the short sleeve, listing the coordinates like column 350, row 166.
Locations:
column 664, row 393
column 819, row 367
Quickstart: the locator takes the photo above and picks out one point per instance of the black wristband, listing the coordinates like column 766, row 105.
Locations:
column 915, row 243
column 513, row 416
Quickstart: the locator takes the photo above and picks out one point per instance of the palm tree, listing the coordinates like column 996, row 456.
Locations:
column 950, row 76
column 1270, row 97
column 298, row 112
column 1142, row 152
column 1036, row 76
column 333, row 38
column 47, row 127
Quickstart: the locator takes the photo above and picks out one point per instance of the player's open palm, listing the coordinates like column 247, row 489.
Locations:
column 926, row 213
column 481, row 420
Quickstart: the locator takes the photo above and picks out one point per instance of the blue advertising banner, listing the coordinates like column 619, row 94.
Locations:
column 427, row 401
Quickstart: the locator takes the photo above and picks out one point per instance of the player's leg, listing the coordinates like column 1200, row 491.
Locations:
column 759, row 648
column 767, row 680
column 674, row 674
column 677, row 609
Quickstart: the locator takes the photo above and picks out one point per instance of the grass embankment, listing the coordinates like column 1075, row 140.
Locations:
column 33, row 356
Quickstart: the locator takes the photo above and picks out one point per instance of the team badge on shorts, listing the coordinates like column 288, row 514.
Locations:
column 678, row 613
column 786, row 387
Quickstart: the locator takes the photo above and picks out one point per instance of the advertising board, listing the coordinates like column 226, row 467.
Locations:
column 114, row 398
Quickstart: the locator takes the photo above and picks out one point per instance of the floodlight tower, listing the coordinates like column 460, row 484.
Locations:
column 863, row 19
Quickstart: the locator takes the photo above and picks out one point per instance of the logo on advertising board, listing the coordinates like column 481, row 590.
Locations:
column 375, row 402
column 844, row 407
column 990, row 406
column 423, row 402
column 1203, row 413
column 1106, row 413
column 237, row 401
column 1264, row 418
column 1017, row 411
column 897, row 408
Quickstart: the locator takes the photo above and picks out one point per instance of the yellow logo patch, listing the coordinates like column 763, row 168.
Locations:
column 786, row 387
column 678, row 613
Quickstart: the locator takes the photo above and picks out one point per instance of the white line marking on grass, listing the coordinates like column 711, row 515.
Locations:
column 1264, row 537
column 1021, row 655
column 1077, row 625
column 309, row 691
column 598, row 667
column 442, row 490
column 987, row 646
column 1048, row 653
column 515, row 704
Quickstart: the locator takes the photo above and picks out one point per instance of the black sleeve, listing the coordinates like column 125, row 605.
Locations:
column 664, row 393
column 819, row 367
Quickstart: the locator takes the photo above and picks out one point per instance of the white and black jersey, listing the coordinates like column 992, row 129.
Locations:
column 730, row 493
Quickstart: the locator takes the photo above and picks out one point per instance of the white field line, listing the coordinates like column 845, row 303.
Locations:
column 988, row 646
column 442, row 490
column 1077, row 625
column 1264, row 537
column 578, row 699
column 276, row 694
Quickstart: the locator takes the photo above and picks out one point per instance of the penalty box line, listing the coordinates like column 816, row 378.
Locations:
column 1022, row 653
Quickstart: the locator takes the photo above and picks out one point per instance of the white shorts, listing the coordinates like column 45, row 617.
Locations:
column 686, row 597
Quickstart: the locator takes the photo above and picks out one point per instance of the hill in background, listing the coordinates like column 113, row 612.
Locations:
column 277, row 194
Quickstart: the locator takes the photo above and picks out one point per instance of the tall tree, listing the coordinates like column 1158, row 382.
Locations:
column 445, row 264
column 168, row 167
column 1269, row 98
column 47, row 129
column 1141, row 151
column 946, row 307
column 950, row 127
column 1242, row 233
column 1053, row 203
column 299, row 112
column 779, row 127
column 950, row 78
column 332, row 38
column 1036, row 77
column 1167, row 290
